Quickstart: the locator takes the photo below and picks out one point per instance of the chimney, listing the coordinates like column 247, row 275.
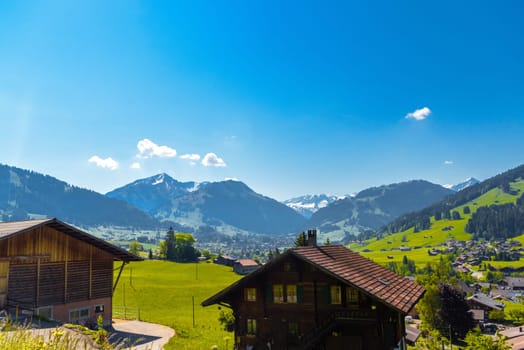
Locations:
column 312, row 238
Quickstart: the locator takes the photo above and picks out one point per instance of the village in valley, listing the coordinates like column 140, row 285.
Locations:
column 261, row 175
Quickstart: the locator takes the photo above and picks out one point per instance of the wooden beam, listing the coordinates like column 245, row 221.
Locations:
column 24, row 257
column 65, row 268
column 118, row 277
column 90, row 270
column 37, row 296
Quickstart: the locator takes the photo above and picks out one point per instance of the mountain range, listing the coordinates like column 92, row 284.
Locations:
column 374, row 207
column 226, row 207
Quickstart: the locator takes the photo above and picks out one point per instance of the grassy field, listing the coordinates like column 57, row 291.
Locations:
column 163, row 291
column 440, row 231
column 420, row 256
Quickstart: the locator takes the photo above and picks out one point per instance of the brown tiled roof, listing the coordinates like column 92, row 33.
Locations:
column 364, row 274
column 13, row 228
column 247, row 262
column 350, row 268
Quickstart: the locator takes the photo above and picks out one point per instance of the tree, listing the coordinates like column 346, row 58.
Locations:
column 454, row 311
column 301, row 240
column 438, row 215
column 162, row 250
column 135, row 247
column 477, row 341
column 184, row 250
column 427, row 307
column 455, row 215
column 466, row 210
column 150, row 255
column 496, row 315
column 170, row 245
column 433, row 341
column 327, row 242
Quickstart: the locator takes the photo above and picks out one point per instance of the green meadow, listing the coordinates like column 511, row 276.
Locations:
column 164, row 291
column 440, row 231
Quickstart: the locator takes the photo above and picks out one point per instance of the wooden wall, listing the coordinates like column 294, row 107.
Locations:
column 48, row 267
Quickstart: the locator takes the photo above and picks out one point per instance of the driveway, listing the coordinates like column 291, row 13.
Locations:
column 138, row 335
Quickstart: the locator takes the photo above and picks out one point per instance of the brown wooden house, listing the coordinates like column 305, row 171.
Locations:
column 320, row 297
column 56, row 271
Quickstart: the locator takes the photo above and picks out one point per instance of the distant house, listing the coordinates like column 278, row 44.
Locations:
column 54, row 270
column 245, row 266
column 480, row 301
column 320, row 297
column 515, row 283
column 412, row 335
column 226, row 260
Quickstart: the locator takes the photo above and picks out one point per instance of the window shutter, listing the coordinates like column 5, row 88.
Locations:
column 269, row 294
column 300, row 294
column 324, row 294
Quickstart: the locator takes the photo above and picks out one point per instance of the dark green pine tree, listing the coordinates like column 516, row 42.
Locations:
column 301, row 240
column 170, row 245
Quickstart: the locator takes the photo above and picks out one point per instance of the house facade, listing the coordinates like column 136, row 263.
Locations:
column 51, row 269
column 320, row 297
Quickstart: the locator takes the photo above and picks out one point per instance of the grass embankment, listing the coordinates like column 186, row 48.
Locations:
column 163, row 291
column 440, row 231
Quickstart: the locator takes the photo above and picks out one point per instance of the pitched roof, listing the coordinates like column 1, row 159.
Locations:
column 13, row 228
column 485, row 300
column 350, row 268
column 412, row 334
column 246, row 262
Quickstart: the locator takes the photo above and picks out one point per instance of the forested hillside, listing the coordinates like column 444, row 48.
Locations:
column 444, row 208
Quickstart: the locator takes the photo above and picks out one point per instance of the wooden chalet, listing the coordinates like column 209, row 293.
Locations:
column 54, row 270
column 320, row 297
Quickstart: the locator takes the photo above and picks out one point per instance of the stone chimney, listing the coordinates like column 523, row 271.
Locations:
column 312, row 238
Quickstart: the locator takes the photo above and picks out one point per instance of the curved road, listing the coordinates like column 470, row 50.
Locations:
column 138, row 335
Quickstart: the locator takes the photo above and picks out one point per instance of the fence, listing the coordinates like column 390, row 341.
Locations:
column 126, row 313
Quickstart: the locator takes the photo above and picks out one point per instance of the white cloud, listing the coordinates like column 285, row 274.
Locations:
column 419, row 114
column 212, row 159
column 193, row 157
column 108, row 163
column 148, row 149
column 231, row 179
column 135, row 165
column 448, row 162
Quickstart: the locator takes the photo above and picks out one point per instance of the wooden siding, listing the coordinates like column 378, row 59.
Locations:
column 52, row 283
column 55, row 246
column 48, row 267
column 22, row 286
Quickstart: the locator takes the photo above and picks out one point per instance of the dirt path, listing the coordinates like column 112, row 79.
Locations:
column 140, row 335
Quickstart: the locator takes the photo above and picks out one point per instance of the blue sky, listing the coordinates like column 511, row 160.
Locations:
column 294, row 98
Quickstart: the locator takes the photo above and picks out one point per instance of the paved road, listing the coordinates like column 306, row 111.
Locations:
column 138, row 335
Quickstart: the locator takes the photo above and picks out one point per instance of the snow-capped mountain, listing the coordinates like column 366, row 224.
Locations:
column 470, row 181
column 225, row 205
column 154, row 192
column 308, row 204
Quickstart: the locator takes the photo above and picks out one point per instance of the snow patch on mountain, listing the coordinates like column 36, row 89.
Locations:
column 308, row 204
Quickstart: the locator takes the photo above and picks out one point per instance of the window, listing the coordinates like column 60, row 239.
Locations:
column 278, row 293
column 251, row 326
column 45, row 312
column 335, row 295
column 291, row 293
column 250, row 294
column 351, row 295
column 76, row 315
column 99, row 309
